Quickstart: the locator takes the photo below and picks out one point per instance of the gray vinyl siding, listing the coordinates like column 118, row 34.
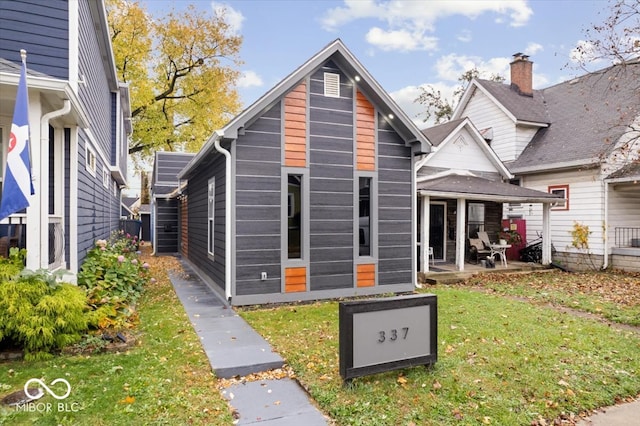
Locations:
column 43, row 27
column 395, row 265
column 167, row 166
column 258, row 205
column 331, row 133
column 98, row 208
column 197, row 204
column 167, row 225
column 96, row 95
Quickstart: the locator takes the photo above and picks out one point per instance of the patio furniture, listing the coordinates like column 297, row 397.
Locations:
column 500, row 250
column 431, row 256
column 478, row 249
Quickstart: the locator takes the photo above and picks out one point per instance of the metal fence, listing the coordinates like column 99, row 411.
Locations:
column 627, row 237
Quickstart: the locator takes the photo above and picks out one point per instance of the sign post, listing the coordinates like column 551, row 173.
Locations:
column 385, row 334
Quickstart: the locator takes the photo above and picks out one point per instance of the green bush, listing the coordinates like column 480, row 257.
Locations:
column 39, row 315
column 114, row 278
column 14, row 264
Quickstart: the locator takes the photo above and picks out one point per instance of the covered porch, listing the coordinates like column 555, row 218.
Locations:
column 450, row 204
column 447, row 273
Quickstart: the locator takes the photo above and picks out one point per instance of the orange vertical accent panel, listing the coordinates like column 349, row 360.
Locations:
column 295, row 127
column 366, row 275
column 365, row 134
column 295, row 279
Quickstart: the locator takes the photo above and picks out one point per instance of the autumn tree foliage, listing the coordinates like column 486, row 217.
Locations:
column 616, row 41
column 437, row 106
column 181, row 69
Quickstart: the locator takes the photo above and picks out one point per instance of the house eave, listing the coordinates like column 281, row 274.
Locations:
column 337, row 51
column 118, row 176
column 487, row 197
column 567, row 165
column 531, row 123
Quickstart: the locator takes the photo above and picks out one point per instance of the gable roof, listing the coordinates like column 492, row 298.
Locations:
column 580, row 119
column 166, row 166
column 443, row 134
column 588, row 116
column 347, row 62
column 519, row 108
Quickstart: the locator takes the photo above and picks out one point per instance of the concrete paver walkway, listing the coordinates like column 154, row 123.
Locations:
column 235, row 349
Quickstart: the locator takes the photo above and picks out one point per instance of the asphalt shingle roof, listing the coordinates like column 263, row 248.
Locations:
column 474, row 186
column 586, row 116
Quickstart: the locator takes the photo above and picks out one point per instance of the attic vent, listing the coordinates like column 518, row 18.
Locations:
column 331, row 85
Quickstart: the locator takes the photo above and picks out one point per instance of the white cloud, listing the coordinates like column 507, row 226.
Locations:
column 401, row 40
column 418, row 18
column 451, row 67
column 249, row 79
column 533, row 48
column 231, row 16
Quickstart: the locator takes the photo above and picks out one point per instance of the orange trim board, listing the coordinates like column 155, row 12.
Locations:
column 366, row 275
column 295, row 279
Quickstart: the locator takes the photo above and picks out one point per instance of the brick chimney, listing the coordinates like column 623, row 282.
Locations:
column 522, row 74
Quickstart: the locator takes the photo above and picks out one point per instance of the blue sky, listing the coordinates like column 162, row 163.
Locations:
column 404, row 44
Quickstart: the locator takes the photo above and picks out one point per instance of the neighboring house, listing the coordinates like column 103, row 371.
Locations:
column 462, row 185
column 130, row 207
column 571, row 139
column 79, row 126
column 166, row 199
column 308, row 193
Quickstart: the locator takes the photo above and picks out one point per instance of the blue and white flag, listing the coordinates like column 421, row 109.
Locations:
column 17, row 185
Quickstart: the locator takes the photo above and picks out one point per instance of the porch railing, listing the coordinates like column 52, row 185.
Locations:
column 56, row 242
column 627, row 237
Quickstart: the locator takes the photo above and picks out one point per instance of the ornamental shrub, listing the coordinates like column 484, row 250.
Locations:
column 40, row 315
column 113, row 278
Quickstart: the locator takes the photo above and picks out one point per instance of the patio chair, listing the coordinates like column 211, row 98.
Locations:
column 477, row 249
column 484, row 237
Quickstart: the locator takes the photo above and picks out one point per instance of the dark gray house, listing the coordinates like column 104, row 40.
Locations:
column 166, row 198
column 79, row 126
column 308, row 193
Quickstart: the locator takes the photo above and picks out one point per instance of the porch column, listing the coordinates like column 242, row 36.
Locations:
column 461, row 219
column 33, row 237
column 546, row 233
column 424, row 233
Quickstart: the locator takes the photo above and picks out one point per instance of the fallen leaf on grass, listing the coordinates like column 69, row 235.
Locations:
column 129, row 400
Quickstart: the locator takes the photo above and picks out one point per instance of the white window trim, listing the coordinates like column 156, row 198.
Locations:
column 106, row 177
column 211, row 217
column 91, row 160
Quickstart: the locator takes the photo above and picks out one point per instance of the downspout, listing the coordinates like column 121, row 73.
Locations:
column 227, row 213
column 44, row 173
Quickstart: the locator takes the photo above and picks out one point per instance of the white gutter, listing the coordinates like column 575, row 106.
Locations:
column 44, row 188
column 227, row 212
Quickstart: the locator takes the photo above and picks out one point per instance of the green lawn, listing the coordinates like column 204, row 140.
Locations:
column 501, row 361
column 612, row 295
column 164, row 379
